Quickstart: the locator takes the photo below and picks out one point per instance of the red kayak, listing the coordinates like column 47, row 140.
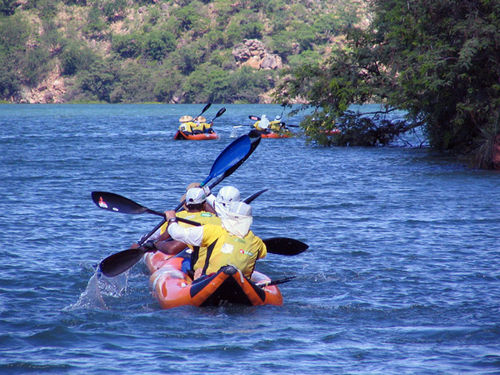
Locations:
column 195, row 137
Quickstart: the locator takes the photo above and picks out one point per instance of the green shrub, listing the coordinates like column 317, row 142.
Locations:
column 95, row 24
column 99, row 81
column 111, row 8
column 127, row 46
column 34, row 65
column 8, row 7
column 156, row 44
column 9, row 81
column 75, row 58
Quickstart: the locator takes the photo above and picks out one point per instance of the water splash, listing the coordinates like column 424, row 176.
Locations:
column 99, row 287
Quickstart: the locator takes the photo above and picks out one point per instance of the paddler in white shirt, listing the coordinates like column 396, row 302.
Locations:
column 230, row 243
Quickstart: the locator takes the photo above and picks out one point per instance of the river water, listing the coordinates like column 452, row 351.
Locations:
column 402, row 275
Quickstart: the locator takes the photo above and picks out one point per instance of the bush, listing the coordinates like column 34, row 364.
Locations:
column 34, row 66
column 9, row 81
column 187, row 17
column 75, row 58
column 127, row 46
column 98, row 81
column 157, row 44
column 111, row 8
column 8, row 7
column 95, row 25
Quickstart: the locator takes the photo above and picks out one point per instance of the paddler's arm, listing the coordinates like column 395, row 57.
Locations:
column 188, row 235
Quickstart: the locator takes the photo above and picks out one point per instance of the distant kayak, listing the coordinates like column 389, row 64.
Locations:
column 275, row 135
column 195, row 137
column 173, row 287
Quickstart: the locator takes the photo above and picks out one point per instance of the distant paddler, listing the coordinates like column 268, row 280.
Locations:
column 187, row 124
column 202, row 126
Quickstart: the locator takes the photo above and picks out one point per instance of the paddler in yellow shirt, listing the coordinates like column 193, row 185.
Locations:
column 278, row 126
column 229, row 243
column 263, row 124
column 187, row 124
column 201, row 125
column 196, row 210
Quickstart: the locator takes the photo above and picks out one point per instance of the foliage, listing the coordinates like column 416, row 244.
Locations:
column 75, row 58
column 98, row 81
column 156, row 44
column 436, row 60
column 7, row 7
column 146, row 50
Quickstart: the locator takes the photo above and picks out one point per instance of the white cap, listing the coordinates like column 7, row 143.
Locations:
column 195, row 196
column 277, row 118
column 228, row 194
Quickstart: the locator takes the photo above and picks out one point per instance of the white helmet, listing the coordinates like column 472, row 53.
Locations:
column 228, row 194
column 195, row 195
column 277, row 118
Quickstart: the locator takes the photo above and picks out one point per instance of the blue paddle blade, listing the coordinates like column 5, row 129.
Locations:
column 233, row 154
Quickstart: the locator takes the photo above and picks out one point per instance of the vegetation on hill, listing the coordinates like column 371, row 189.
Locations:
column 437, row 60
column 173, row 51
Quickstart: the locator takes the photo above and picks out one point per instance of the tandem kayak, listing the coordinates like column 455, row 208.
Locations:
column 195, row 137
column 275, row 135
column 271, row 134
column 173, row 287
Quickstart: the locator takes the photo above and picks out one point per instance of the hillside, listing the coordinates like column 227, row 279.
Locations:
column 231, row 51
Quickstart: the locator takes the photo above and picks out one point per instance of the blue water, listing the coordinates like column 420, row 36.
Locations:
column 402, row 275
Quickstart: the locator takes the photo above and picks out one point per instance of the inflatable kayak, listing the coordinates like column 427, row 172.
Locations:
column 271, row 134
column 173, row 287
column 195, row 137
column 275, row 135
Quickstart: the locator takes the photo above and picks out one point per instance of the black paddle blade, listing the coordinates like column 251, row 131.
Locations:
column 117, row 203
column 275, row 282
column 220, row 113
column 285, row 246
column 120, row 262
column 250, row 199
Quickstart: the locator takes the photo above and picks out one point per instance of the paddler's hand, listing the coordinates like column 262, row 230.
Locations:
column 149, row 245
column 170, row 216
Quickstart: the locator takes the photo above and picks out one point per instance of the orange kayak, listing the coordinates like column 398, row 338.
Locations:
column 173, row 287
column 275, row 135
column 195, row 137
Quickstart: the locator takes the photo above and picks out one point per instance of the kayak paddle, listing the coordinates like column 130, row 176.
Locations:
column 120, row 262
column 118, row 203
column 220, row 113
column 204, row 110
column 226, row 163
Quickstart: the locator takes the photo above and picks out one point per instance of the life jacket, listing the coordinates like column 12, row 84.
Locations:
column 275, row 126
column 202, row 217
column 187, row 127
column 223, row 249
column 201, row 127
column 257, row 126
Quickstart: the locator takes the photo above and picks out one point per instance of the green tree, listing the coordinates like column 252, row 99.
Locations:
column 437, row 60
column 8, row 7
column 76, row 57
column 156, row 44
column 127, row 45
column 98, row 81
